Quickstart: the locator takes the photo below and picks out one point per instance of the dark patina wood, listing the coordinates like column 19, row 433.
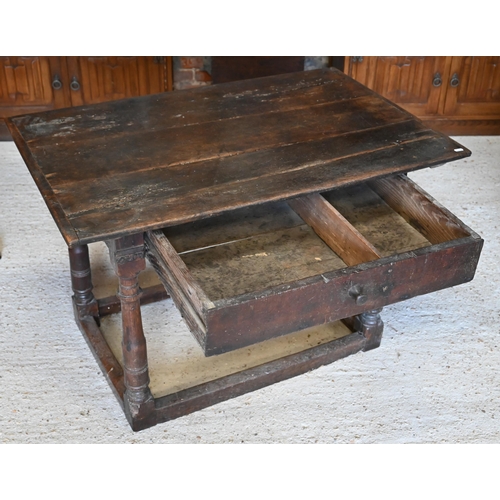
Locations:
column 114, row 169
column 301, row 166
column 81, row 281
column 334, row 229
column 87, row 316
column 112, row 304
column 198, row 397
column 222, row 316
column 127, row 257
column 230, row 68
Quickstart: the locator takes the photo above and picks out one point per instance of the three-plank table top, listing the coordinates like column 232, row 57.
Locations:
column 118, row 168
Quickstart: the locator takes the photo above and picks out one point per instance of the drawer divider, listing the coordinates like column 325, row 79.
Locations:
column 334, row 229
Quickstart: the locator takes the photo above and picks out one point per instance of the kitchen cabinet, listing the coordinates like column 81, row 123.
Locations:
column 457, row 95
column 30, row 84
column 26, row 85
column 99, row 79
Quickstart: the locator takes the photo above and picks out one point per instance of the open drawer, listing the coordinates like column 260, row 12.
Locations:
column 264, row 271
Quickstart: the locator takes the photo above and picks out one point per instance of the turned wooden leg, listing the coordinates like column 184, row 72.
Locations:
column 81, row 282
column 371, row 326
column 127, row 257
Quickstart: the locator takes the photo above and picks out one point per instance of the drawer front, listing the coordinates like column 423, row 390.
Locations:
column 388, row 242
column 382, row 282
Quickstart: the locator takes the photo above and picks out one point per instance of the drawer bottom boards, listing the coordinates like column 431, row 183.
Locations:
column 262, row 272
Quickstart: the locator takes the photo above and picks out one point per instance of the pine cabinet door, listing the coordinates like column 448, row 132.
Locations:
column 415, row 83
column 100, row 79
column 473, row 88
column 30, row 84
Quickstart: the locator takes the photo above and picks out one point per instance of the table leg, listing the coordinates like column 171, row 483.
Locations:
column 131, row 381
column 127, row 257
column 371, row 326
column 81, row 282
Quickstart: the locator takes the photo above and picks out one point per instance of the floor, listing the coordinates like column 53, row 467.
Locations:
column 433, row 380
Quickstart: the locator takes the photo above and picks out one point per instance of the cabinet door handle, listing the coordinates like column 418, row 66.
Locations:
column 437, row 81
column 56, row 83
column 356, row 59
column 454, row 82
column 74, row 85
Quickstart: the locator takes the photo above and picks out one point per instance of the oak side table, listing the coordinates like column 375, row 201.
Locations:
column 266, row 206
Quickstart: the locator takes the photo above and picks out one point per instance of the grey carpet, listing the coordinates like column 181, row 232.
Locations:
column 435, row 379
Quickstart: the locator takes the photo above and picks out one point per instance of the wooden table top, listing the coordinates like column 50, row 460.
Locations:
column 122, row 167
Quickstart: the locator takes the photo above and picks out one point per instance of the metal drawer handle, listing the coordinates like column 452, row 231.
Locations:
column 356, row 292
column 437, row 80
column 74, row 85
column 454, row 82
column 56, row 83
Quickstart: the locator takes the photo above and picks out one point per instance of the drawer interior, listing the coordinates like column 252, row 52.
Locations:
column 257, row 252
column 250, row 250
column 256, row 248
column 383, row 227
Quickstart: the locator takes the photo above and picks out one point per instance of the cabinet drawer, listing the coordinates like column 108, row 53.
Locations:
column 265, row 271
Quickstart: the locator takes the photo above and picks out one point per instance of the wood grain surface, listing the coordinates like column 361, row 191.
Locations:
column 381, row 225
column 334, row 229
column 112, row 169
column 295, row 275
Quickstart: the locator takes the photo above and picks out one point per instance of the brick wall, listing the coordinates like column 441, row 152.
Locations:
column 195, row 71
column 191, row 71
